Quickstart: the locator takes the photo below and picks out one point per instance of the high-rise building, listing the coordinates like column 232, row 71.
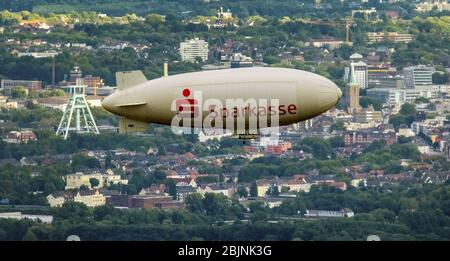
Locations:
column 418, row 76
column 360, row 71
column 361, row 74
column 353, row 91
column 191, row 49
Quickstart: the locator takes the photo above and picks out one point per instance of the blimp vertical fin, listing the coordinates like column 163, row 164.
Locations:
column 128, row 79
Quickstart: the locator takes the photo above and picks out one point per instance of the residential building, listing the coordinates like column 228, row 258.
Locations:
column 262, row 186
column 191, row 49
column 428, row 124
column 57, row 102
column 6, row 103
column 303, row 125
column 75, row 181
column 429, row 5
column 238, row 60
column 183, row 192
column 56, row 199
column 368, row 115
column 227, row 189
column 224, row 19
column 154, row 189
column 296, row 184
column 419, row 75
column 110, row 178
column 405, row 131
column 400, row 96
column 88, row 197
column 367, row 137
column 279, row 149
column 359, row 180
column 20, row 136
column 376, row 37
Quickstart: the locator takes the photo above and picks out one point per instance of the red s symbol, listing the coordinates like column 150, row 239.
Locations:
column 187, row 108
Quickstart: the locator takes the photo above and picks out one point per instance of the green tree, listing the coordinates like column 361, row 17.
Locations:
column 94, row 182
column 19, row 92
column 273, row 191
column 408, row 109
column 242, row 192
column 30, row 236
column 253, row 189
column 216, row 205
column 441, row 77
column 194, row 203
column 337, row 142
column 108, row 160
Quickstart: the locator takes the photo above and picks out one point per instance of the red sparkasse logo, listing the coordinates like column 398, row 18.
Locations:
column 187, row 107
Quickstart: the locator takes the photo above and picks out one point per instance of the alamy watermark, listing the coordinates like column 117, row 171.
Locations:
column 215, row 117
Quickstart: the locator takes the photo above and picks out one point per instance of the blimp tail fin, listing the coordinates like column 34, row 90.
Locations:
column 129, row 79
column 127, row 126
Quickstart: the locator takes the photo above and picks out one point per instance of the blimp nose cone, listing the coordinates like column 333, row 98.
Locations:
column 329, row 95
column 110, row 102
column 107, row 104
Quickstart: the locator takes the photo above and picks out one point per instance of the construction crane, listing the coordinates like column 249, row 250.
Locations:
column 348, row 21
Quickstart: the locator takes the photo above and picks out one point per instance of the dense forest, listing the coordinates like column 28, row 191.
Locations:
column 194, row 7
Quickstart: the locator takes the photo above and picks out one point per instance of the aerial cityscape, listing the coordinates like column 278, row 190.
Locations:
column 87, row 149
